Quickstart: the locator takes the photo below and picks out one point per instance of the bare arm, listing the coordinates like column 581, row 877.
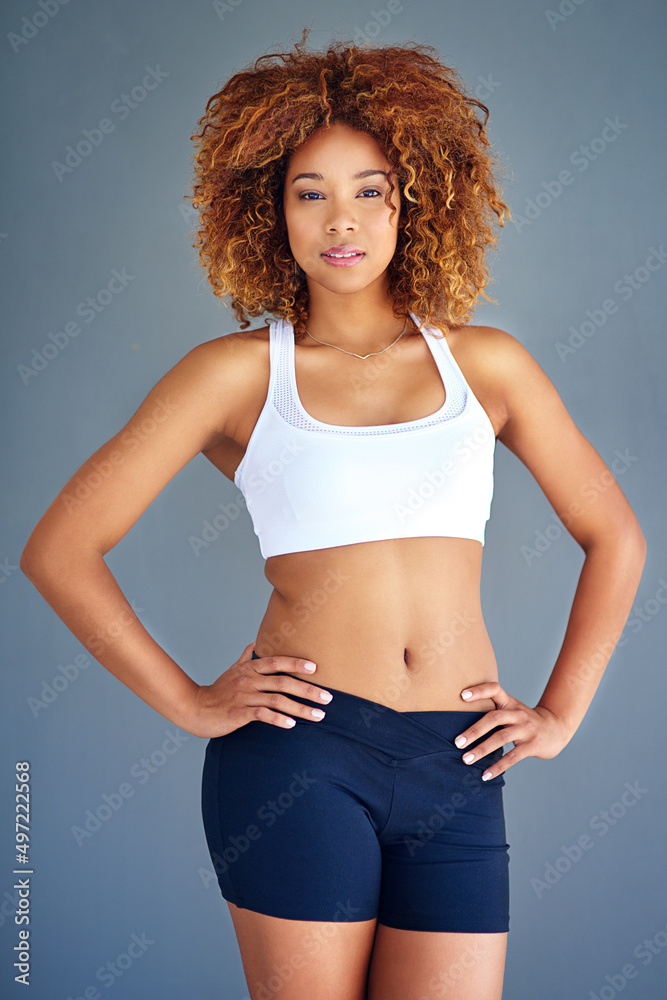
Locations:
column 584, row 493
column 64, row 556
column 185, row 413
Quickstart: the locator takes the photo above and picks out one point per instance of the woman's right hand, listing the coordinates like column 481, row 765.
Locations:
column 247, row 692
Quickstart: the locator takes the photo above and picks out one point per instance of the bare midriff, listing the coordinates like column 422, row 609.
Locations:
column 397, row 621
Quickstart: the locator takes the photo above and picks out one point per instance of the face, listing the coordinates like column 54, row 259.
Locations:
column 333, row 207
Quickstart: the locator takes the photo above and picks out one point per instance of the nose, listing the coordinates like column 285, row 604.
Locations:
column 340, row 217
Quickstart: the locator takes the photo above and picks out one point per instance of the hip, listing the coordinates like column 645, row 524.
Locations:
column 361, row 743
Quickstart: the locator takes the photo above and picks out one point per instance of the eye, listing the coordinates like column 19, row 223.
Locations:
column 304, row 196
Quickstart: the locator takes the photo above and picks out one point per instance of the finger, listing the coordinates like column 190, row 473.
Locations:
column 488, row 689
column 503, row 764
column 285, row 685
column 275, row 702
column 263, row 714
column 477, row 755
column 273, row 663
column 292, row 685
column 506, row 717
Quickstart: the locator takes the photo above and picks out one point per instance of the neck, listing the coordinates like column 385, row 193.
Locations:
column 354, row 329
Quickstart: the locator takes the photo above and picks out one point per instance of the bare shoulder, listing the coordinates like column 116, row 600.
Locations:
column 506, row 378
column 484, row 348
column 231, row 368
column 233, row 353
column 539, row 430
column 495, row 364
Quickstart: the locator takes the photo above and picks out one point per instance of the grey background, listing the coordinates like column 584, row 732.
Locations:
column 550, row 88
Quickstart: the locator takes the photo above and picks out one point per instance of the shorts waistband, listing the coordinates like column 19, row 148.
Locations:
column 397, row 734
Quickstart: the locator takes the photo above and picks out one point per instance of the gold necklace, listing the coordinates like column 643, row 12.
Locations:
column 362, row 356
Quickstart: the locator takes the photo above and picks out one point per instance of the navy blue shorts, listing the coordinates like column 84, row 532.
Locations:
column 369, row 813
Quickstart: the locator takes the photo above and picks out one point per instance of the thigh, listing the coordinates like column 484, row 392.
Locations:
column 290, row 832
column 303, row 960
column 445, row 859
column 425, row 965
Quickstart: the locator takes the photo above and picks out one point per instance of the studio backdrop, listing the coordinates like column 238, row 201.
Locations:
column 103, row 293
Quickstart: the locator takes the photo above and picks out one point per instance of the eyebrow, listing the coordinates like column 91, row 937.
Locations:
column 355, row 177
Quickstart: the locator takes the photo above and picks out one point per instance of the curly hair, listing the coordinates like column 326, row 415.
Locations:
column 421, row 117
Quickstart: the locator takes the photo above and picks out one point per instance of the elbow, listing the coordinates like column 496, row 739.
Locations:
column 641, row 545
column 641, row 549
column 625, row 538
column 632, row 538
column 41, row 557
column 33, row 559
column 48, row 554
column 27, row 559
column 631, row 555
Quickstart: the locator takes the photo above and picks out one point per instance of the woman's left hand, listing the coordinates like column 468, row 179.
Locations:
column 535, row 732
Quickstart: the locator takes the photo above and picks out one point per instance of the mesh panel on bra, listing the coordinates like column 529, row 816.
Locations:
column 456, row 397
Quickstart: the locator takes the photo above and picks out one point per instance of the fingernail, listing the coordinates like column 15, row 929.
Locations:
column 460, row 741
column 309, row 665
column 466, row 694
column 468, row 757
column 486, row 776
column 317, row 713
column 326, row 696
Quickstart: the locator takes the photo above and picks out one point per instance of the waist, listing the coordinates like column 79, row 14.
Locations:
column 395, row 733
column 399, row 622
column 399, row 678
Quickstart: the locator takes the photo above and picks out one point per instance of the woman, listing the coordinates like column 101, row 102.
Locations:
column 353, row 808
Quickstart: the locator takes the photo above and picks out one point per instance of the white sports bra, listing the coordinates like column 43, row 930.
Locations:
column 310, row 485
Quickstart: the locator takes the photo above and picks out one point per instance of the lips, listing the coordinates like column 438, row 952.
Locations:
column 345, row 252
column 345, row 258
